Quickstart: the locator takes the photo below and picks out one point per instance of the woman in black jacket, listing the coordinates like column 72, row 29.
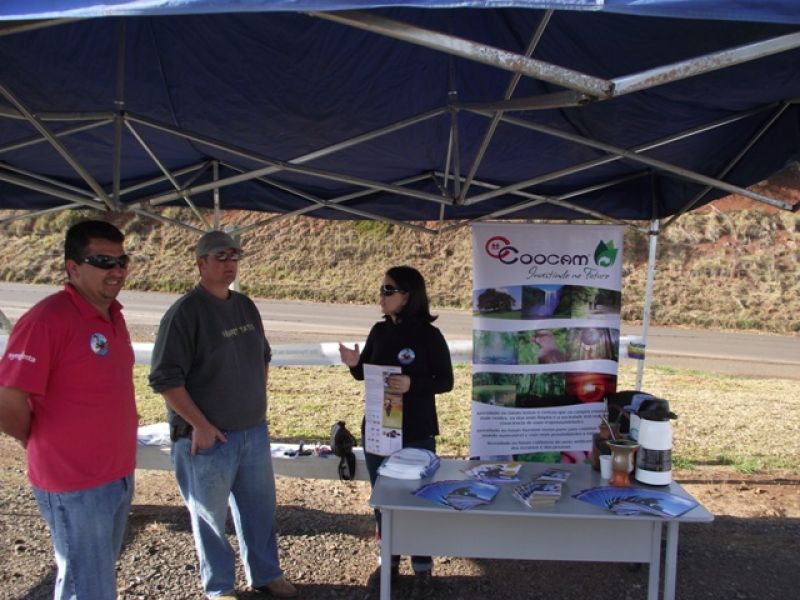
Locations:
column 407, row 339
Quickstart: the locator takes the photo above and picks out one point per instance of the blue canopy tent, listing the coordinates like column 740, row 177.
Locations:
column 407, row 111
column 434, row 112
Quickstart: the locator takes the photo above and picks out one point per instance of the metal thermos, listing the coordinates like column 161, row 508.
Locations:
column 654, row 457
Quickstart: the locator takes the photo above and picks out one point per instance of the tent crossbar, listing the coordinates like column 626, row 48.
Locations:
column 512, row 86
column 488, row 55
column 585, row 166
column 650, row 78
column 56, row 184
column 57, row 116
column 200, row 168
column 167, row 220
column 275, row 165
column 653, row 163
column 36, row 213
column 186, row 197
column 536, row 199
column 318, row 173
column 50, row 191
column 57, row 145
column 318, row 203
column 328, row 203
column 320, row 153
column 540, row 102
column 367, row 183
column 34, row 140
column 704, row 64
column 729, row 167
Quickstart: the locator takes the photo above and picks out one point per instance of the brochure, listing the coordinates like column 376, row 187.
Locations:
column 538, row 493
column 637, row 501
column 560, row 475
column 383, row 411
column 410, row 463
column 498, row 473
column 461, row 495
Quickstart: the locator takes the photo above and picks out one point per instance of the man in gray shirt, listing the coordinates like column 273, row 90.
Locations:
column 211, row 362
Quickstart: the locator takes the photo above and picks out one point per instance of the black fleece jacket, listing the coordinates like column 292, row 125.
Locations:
column 430, row 370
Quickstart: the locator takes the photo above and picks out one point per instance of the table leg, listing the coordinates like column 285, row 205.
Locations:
column 386, row 554
column 671, row 560
column 655, row 562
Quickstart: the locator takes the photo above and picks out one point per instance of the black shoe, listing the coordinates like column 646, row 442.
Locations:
column 374, row 581
column 423, row 586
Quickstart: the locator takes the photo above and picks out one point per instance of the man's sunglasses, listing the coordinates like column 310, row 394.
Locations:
column 223, row 256
column 390, row 290
column 106, row 262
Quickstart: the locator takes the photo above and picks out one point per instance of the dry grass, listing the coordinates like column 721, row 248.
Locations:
column 749, row 423
column 735, row 270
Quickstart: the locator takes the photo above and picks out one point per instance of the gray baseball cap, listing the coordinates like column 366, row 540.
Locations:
column 213, row 242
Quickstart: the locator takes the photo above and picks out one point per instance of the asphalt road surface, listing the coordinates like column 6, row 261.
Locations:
column 750, row 354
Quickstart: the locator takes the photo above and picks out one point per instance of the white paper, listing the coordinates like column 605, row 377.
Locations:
column 383, row 430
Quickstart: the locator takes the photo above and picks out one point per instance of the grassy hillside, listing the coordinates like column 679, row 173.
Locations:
column 736, row 269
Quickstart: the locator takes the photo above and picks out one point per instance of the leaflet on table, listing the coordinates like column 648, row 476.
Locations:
column 461, row 495
column 410, row 463
column 637, row 501
column 383, row 427
column 505, row 472
column 537, row 493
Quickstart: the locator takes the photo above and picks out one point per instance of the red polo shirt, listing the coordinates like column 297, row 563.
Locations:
column 77, row 367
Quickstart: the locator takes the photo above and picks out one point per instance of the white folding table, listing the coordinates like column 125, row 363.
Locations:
column 570, row 530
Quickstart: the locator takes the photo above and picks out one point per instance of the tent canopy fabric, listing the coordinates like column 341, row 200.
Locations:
column 625, row 110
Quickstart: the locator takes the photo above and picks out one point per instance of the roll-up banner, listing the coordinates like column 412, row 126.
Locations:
column 546, row 306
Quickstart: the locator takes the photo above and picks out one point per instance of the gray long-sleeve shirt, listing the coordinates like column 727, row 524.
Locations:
column 217, row 350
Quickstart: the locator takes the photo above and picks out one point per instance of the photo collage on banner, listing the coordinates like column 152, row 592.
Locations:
column 546, row 307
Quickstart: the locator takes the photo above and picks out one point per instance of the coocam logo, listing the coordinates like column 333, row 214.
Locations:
column 605, row 255
column 500, row 248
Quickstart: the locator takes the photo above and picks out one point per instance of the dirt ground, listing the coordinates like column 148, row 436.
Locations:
column 750, row 551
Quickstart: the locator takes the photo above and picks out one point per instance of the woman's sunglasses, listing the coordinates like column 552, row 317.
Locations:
column 106, row 262
column 390, row 290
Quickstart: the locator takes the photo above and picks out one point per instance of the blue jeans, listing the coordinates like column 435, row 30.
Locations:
column 238, row 472
column 86, row 527
column 418, row 563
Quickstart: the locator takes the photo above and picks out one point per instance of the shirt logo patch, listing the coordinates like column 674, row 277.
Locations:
column 406, row 356
column 99, row 344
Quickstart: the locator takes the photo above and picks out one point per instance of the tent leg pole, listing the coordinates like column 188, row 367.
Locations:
column 215, row 166
column 648, row 296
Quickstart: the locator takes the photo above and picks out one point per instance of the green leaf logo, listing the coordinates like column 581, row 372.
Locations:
column 605, row 254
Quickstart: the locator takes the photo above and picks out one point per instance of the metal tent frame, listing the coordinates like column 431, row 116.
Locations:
column 452, row 188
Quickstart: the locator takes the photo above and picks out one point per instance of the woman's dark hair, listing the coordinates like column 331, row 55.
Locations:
column 411, row 282
column 81, row 234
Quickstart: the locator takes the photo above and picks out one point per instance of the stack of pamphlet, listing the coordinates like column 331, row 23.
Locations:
column 461, row 495
column 410, row 463
column 506, row 472
column 545, row 490
column 635, row 501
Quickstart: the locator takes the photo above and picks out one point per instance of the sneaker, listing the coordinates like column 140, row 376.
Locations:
column 231, row 596
column 423, row 586
column 279, row 588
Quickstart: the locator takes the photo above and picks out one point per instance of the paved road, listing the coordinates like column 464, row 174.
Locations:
column 288, row 321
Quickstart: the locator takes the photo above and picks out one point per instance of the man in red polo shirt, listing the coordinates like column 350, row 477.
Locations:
column 66, row 394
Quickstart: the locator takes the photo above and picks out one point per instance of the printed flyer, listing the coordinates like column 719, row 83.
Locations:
column 546, row 308
column 383, row 428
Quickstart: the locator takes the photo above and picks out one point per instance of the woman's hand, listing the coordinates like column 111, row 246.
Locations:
column 349, row 356
column 399, row 384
